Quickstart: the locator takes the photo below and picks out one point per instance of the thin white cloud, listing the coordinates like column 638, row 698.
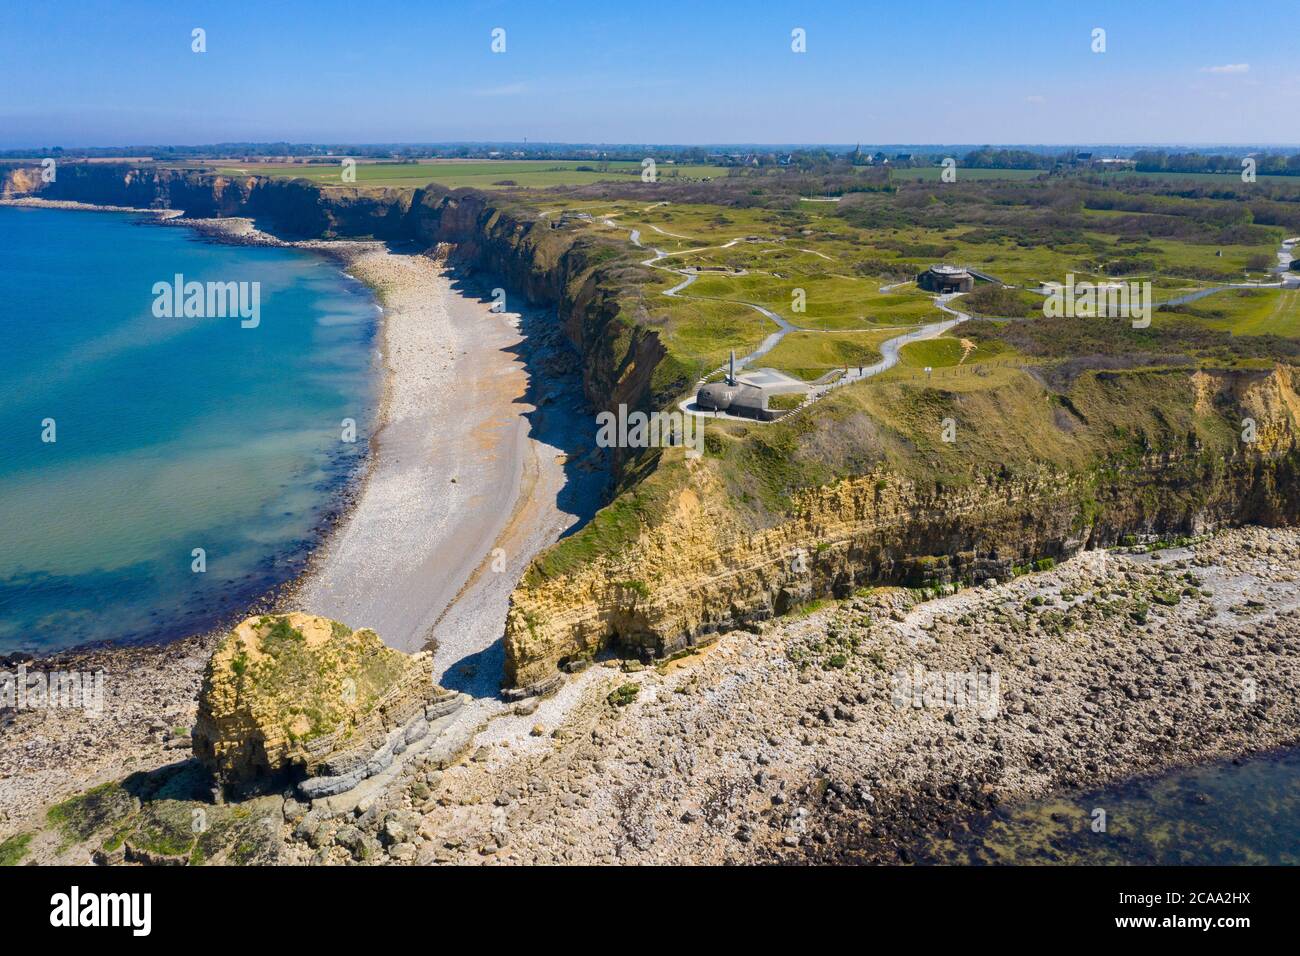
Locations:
column 510, row 89
column 1035, row 98
column 1227, row 68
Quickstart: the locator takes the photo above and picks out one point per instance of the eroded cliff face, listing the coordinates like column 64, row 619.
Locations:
column 19, row 181
column 699, row 570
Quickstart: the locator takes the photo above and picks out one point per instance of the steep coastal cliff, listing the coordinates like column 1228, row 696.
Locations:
column 862, row 492
column 702, row 566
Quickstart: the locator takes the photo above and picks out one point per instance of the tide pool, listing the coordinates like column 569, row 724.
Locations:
column 171, row 434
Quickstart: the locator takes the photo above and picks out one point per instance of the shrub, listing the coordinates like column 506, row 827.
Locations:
column 624, row 695
column 14, row 849
column 998, row 300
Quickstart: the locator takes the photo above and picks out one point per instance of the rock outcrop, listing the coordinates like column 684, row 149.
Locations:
column 300, row 698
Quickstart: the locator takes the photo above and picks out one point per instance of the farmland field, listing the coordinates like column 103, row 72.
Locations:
column 480, row 174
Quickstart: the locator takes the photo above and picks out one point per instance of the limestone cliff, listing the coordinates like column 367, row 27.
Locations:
column 20, row 181
column 698, row 568
column 294, row 696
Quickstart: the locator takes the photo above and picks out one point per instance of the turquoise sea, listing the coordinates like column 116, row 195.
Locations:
column 171, row 434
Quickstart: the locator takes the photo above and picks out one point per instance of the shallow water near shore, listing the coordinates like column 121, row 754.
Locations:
column 172, row 434
column 1220, row 814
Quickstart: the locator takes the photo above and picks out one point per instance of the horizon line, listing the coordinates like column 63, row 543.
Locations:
column 664, row 144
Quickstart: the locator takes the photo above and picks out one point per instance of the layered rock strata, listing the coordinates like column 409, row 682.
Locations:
column 296, row 697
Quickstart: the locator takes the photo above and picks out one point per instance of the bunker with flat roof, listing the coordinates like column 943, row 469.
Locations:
column 747, row 395
column 945, row 279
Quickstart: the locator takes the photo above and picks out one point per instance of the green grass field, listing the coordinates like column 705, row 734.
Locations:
column 950, row 350
column 675, row 227
column 480, row 174
column 707, row 331
column 932, row 353
column 810, row 355
column 828, row 302
column 1245, row 311
column 1028, row 261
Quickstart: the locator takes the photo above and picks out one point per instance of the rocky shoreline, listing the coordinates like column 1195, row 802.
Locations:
column 49, row 754
column 789, row 745
column 32, row 202
column 796, row 742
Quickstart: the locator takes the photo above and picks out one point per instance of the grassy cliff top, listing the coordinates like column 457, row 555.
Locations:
column 279, row 683
column 1022, row 391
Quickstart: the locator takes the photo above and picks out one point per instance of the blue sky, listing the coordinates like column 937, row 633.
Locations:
column 83, row 73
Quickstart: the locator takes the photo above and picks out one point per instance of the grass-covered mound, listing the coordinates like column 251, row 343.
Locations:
column 810, row 355
column 1000, row 301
